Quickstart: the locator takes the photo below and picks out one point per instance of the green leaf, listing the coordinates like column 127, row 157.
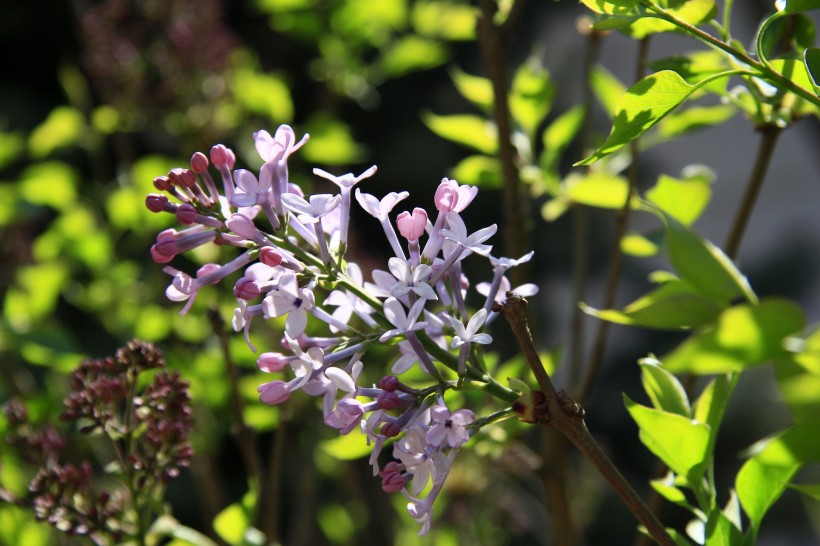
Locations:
column 743, row 336
column 667, row 490
column 694, row 118
column 607, row 88
column 663, row 388
column 765, row 476
column 672, row 306
column 475, row 89
column 643, row 105
column 336, row 523
column 639, row 245
column 694, row 12
column 51, row 183
column 683, row 200
column 795, row 70
column 63, row 127
column 11, row 146
column 720, row 531
column 331, row 143
column 712, row 402
column 34, row 295
column 479, row 170
column 680, row 442
column 811, row 58
column 559, row 134
column 811, row 490
column 234, row 522
column 531, row 95
column 786, row 7
column 610, row 7
column 471, row 131
column 264, row 94
column 347, row 447
column 409, row 54
column 798, row 375
column 597, row 189
column 444, row 19
column 702, row 264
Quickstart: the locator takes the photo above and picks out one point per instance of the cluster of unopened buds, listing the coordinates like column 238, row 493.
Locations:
column 296, row 268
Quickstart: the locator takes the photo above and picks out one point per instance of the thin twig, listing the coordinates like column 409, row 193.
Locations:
column 559, row 412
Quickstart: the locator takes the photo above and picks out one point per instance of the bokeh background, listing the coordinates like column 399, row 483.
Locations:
column 98, row 98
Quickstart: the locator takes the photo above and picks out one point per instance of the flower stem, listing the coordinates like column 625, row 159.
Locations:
column 562, row 414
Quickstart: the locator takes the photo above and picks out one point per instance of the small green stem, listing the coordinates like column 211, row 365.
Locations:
column 764, row 70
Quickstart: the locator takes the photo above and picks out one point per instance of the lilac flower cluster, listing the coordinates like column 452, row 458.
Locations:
column 296, row 268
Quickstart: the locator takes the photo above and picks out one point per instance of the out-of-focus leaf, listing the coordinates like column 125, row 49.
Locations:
column 411, row 53
column 765, row 476
column 336, row 523
column 597, row 189
column 607, row 88
column 666, row 488
column 331, row 143
column 559, row 134
column 799, row 387
column 786, row 7
column 720, row 531
column 347, row 447
column 34, row 295
column 11, row 146
column 369, row 22
column 50, row 183
column 711, row 405
column 694, row 66
column 694, row 118
column 531, row 95
column 812, row 490
column 264, row 94
column 678, row 441
column 674, row 305
column 479, row 170
column 471, row 131
column 273, row 6
column 643, row 105
column 63, row 127
column 444, row 19
column 105, row 119
column 639, row 246
column 234, row 522
column 148, row 167
column 743, row 336
column 610, row 6
column 684, row 200
column 475, row 89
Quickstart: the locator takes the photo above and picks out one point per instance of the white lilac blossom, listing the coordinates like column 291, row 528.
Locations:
column 292, row 262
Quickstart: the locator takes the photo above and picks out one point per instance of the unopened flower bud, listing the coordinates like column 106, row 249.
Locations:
column 271, row 362
column 241, row 225
column 222, row 156
column 186, row 214
column 388, row 400
column 155, row 202
column 391, row 430
column 389, row 383
column 182, row 177
column 411, row 226
column 270, row 256
column 199, row 163
column 246, row 289
column 162, row 183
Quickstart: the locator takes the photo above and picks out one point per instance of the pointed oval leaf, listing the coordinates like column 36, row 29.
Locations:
column 663, row 388
column 744, row 336
column 643, row 105
column 684, row 200
column 468, row 130
column 786, row 7
column 611, row 7
column 811, row 57
column 597, row 189
column 678, row 441
column 475, row 89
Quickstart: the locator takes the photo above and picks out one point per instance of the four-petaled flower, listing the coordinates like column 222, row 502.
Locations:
column 449, row 427
column 288, row 299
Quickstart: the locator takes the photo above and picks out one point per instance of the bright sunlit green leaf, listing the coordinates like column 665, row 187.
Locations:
column 475, row 89
column 639, row 245
column 743, row 336
column 684, row 200
column 559, row 134
column 336, row 523
column 672, row 306
column 264, row 94
column 643, row 105
column 663, row 388
column 531, row 95
column 607, row 88
column 11, row 146
column 597, row 189
column 63, row 127
column 479, row 170
column 234, row 523
column 680, row 442
column 694, row 118
column 694, row 12
column 347, row 447
column 444, row 19
column 811, row 58
column 610, row 6
column 720, row 531
column 471, row 131
column 702, row 264
column 34, row 295
column 331, row 143
column 50, row 183
column 765, row 476
column 411, row 53
column 799, row 387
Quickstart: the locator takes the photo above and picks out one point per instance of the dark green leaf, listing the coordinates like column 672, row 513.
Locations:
column 796, row 6
column 643, row 105
column 811, row 58
column 744, row 336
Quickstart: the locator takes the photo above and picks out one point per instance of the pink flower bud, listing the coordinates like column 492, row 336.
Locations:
column 411, row 226
column 166, row 244
column 271, row 362
column 186, row 214
column 241, row 225
column 222, row 156
column 246, row 289
column 270, row 256
column 155, row 202
column 392, row 482
column 182, row 177
column 199, row 163
column 159, row 258
column 391, row 430
column 273, row 393
column 162, row 183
